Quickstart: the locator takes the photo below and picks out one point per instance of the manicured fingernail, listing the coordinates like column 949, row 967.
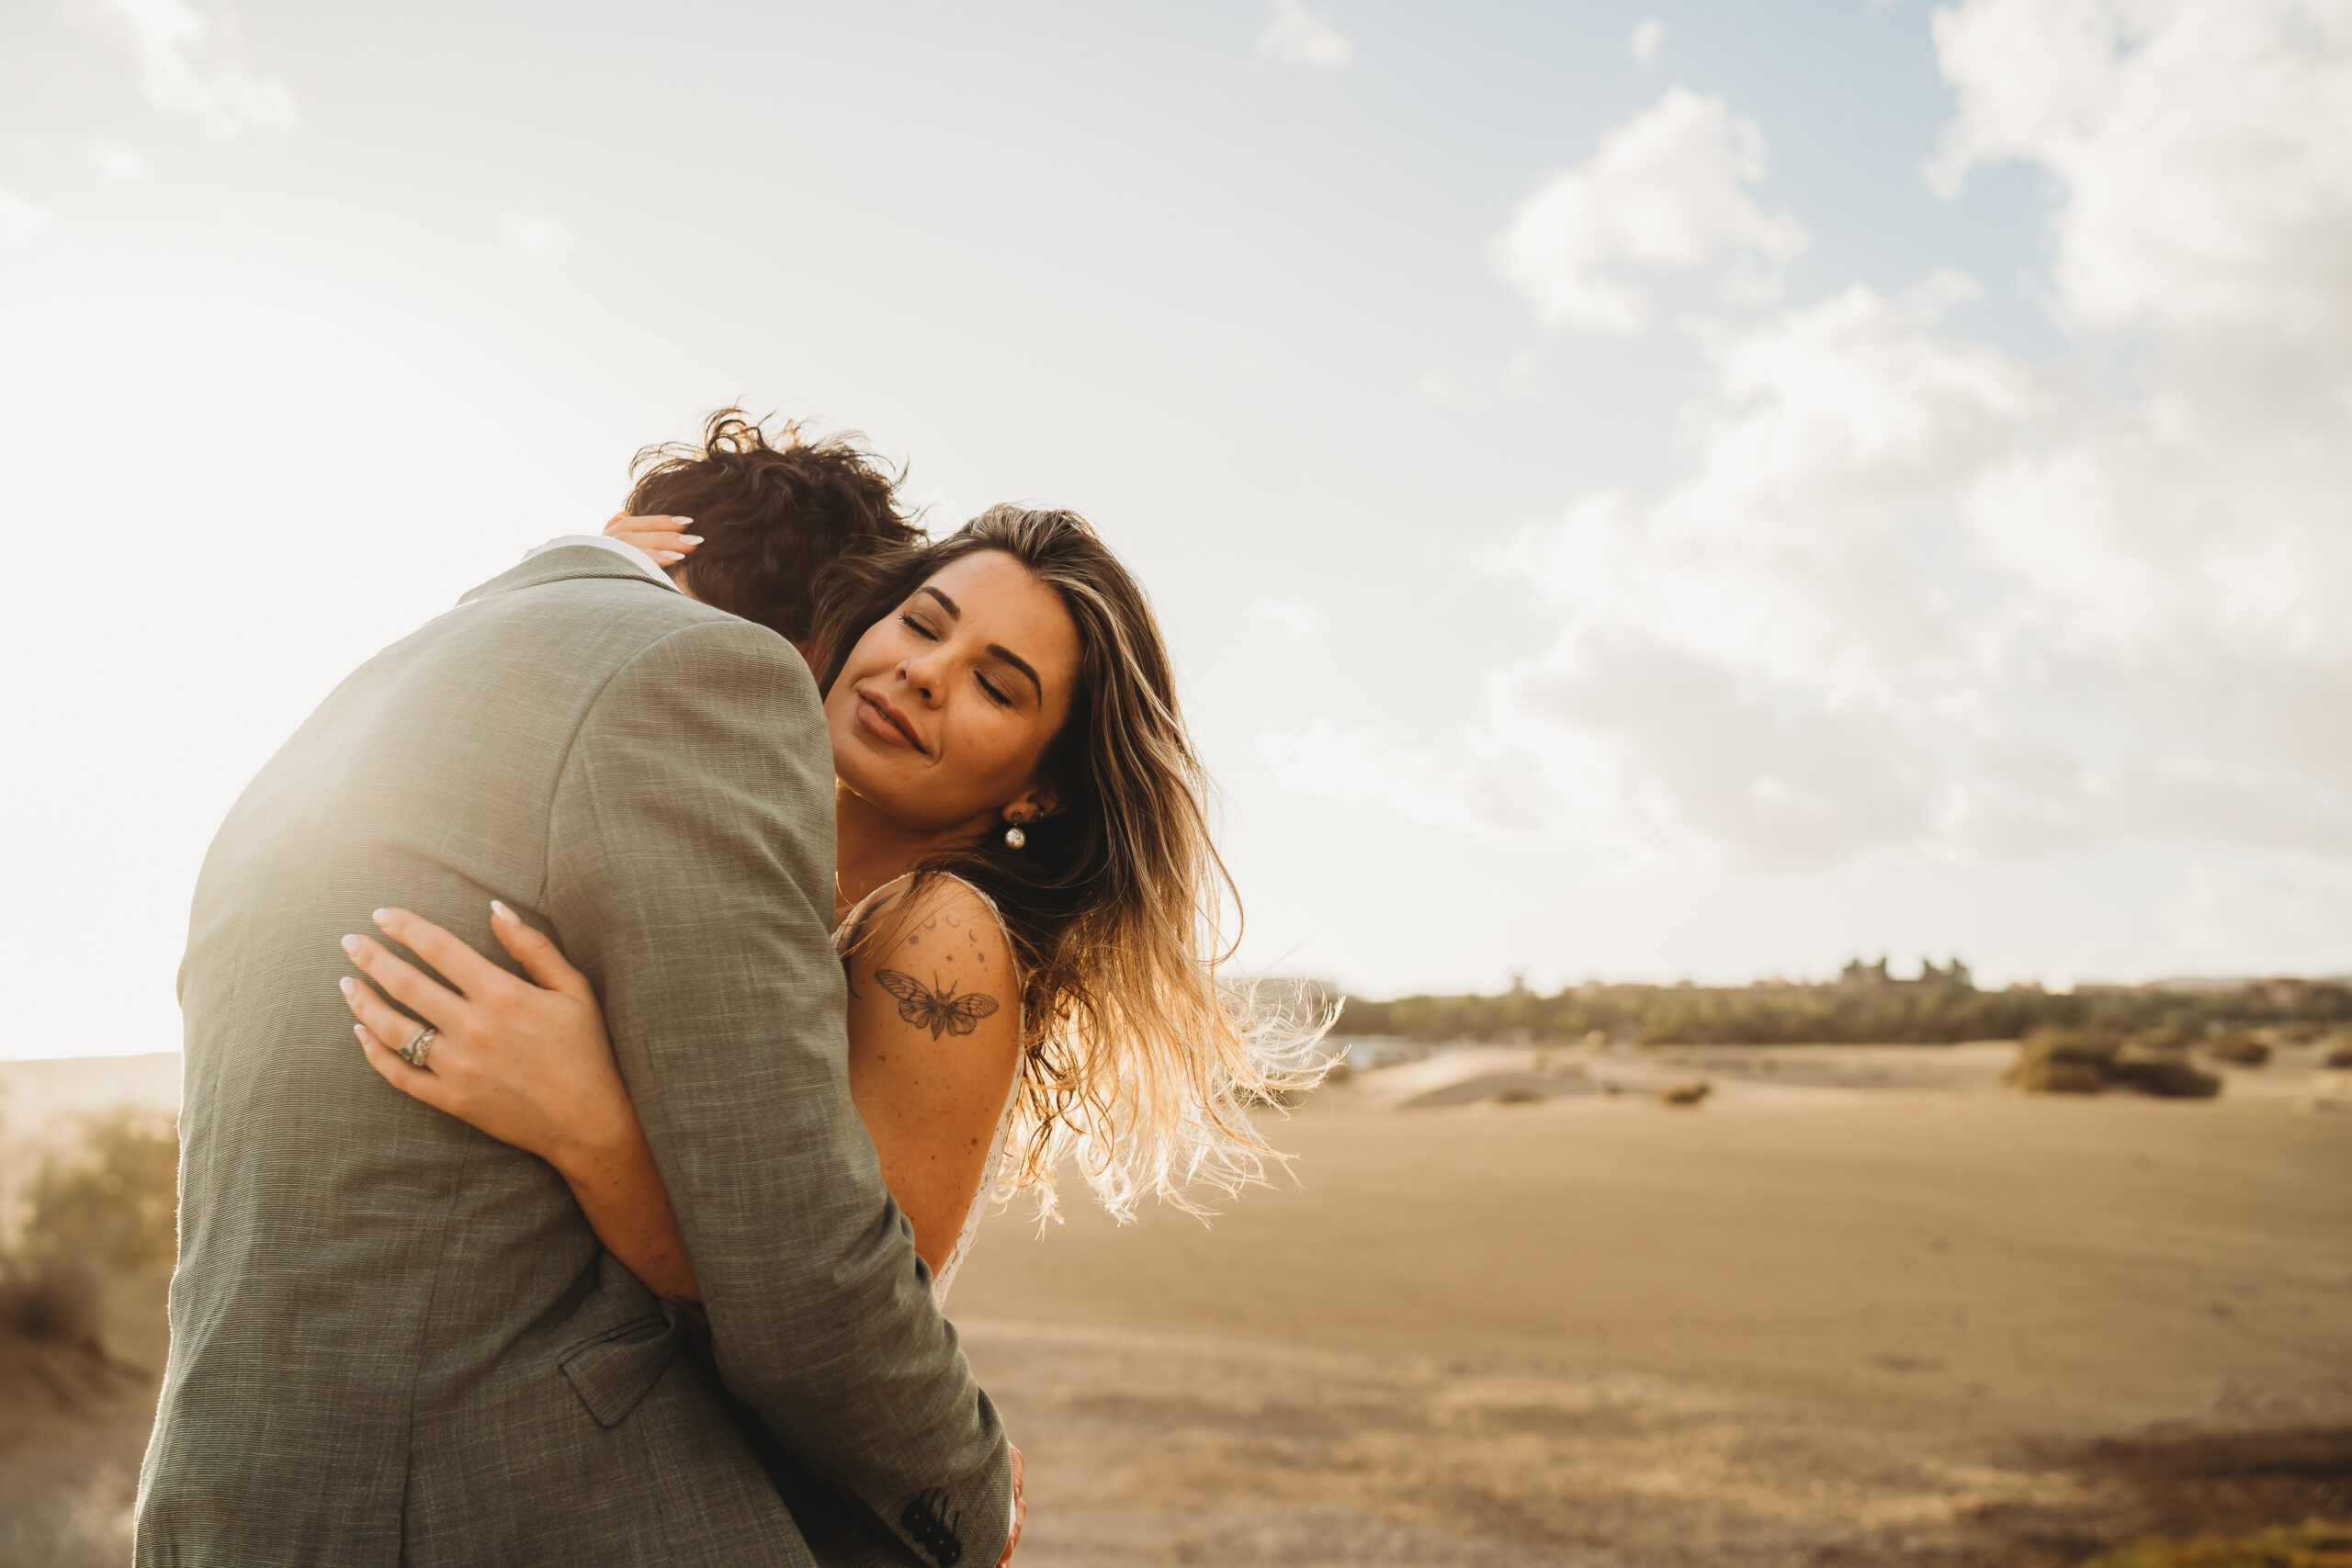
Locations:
column 350, row 945
column 690, row 538
column 498, row 911
column 381, row 916
column 666, row 556
column 683, row 521
column 359, row 1033
column 349, row 986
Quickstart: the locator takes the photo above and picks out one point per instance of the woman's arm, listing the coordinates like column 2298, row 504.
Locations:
column 933, row 1044
column 934, row 1040
column 529, row 1063
column 620, row 1189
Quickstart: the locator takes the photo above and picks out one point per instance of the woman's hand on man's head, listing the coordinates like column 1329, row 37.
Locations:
column 663, row 538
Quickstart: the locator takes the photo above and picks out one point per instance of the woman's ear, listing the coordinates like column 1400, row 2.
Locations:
column 1031, row 806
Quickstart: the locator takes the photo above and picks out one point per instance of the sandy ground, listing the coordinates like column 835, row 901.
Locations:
column 1858, row 1307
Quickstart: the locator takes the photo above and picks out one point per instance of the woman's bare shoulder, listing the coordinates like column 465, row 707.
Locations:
column 912, row 906
column 932, row 942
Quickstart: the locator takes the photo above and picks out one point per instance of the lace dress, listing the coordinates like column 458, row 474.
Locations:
column 977, row 1210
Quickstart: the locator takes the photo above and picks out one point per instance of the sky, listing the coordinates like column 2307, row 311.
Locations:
column 1636, row 491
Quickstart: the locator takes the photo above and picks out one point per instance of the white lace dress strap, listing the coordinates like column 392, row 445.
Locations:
column 977, row 1210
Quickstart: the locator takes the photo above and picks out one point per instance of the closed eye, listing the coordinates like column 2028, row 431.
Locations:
column 996, row 694
column 917, row 627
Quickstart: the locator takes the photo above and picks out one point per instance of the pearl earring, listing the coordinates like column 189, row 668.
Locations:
column 1014, row 836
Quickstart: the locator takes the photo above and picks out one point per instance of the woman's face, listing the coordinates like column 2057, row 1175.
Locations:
column 945, row 707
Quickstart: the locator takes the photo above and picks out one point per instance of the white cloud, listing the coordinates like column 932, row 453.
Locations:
column 1290, row 617
column 535, row 237
column 1444, row 386
column 1913, row 595
column 1752, row 647
column 20, row 221
column 1646, row 41
column 188, row 61
column 1325, row 761
column 1665, row 192
column 2201, row 144
column 119, row 164
column 1297, row 36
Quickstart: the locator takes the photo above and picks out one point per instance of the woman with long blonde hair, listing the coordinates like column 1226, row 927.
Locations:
column 1029, row 909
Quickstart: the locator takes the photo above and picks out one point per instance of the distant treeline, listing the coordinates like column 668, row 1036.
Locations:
column 1865, row 1007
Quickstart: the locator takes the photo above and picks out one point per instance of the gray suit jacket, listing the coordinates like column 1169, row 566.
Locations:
column 395, row 1340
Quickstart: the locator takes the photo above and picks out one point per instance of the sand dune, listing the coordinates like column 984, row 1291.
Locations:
column 1858, row 1308
column 1894, row 1326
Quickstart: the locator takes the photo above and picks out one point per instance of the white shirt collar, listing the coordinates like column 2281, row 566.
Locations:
column 628, row 553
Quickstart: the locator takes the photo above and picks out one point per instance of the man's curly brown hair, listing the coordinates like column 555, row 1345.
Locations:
column 785, row 521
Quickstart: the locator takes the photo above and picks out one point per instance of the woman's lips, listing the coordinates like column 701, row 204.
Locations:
column 887, row 721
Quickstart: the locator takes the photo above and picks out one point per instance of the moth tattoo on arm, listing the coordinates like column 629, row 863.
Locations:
column 941, row 1013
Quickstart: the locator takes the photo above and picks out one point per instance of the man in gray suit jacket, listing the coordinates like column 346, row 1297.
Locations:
column 396, row 1340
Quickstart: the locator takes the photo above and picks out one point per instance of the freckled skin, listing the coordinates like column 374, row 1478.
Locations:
column 929, row 1069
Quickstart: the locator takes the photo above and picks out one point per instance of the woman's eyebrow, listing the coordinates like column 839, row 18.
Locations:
column 996, row 649
column 1000, row 651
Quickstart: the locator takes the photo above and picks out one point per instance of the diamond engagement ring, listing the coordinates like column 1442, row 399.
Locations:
column 416, row 1050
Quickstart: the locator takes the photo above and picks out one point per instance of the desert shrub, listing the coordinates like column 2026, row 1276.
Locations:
column 1518, row 1094
column 2041, row 1075
column 2065, row 1061
column 116, row 1202
column 2166, row 1037
column 2171, row 1077
column 1685, row 1094
column 49, row 1300
column 2093, row 1047
column 2238, row 1048
column 1942, row 1006
column 111, row 1204
column 2317, row 1544
column 2338, row 1052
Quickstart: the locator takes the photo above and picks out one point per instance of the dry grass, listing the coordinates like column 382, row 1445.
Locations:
column 54, row 1301
column 2166, row 1076
column 2065, row 1061
column 2040, row 1075
column 109, row 1203
column 2238, row 1048
column 2090, row 1061
column 2317, row 1544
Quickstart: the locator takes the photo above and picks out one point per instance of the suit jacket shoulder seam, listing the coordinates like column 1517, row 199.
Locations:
column 588, row 711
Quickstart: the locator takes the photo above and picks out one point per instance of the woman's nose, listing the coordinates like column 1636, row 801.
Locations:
column 923, row 675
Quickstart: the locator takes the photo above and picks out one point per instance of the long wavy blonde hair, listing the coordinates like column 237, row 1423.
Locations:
column 1142, row 1057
